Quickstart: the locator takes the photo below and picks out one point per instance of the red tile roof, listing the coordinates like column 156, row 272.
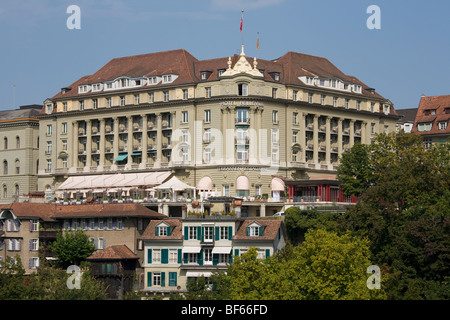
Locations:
column 290, row 66
column 50, row 212
column 441, row 107
column 270, row 231
column 119, row 252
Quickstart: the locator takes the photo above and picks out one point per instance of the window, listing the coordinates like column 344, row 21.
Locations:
column 241, row 154
column 122, row 101
column 442, row 125
column 17, row 166
column 192, row 258
column 208, row 232
column 274, row 93
column 18, row 142
column 335, row 101
column 427, row 143
column 207, row 116
column 157, row 278
column 34, row 244
column 49, row 147
column 347, row 103
column 5, row 191
column 5, row 143
column 163, row 232
column 167, row 78
column 156, row 256
column 34, row 263
column 108, row 102
column 5, row 167
column 173, row 256
column 242, row 115
column 207, row 158
column 49, row 108
column 294, row 95
column 275, row 138
column 192, row 233
column 226, row 191
column 14, row 244
column 49, row 165
column 294, row 136
column 208, row 92
column 257, row 190
column 275, row 117
column 166, row 96
column 295, row 118
column 64, row 106
column 322, row 99
column 184, row 117
column 12, row 225
column 151, row 97
column 372, row 128
column 185, row 94
column 310, row 98
column 81, row 103
column 254, row 231
column 64, row 127
column 243, row 89
column 424, row 126
column 137, row 98
column 207, row 256
column 224, row 233
column 358, row 105
column 94, row 103
column 372, row 107
column 49, row 130
column 64, row 145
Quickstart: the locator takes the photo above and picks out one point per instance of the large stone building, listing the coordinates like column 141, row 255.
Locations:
column 231, row 127
column 19, row 155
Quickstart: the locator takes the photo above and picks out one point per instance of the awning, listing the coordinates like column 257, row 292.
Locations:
column 277, row 184
column 205, row 184
column 223, row 250
column 136, row 153
column 242, row 183
column 121, row 157
column 196, row 274
column 191, row 249
column 98, row 191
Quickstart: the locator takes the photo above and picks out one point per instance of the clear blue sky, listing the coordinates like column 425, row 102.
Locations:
column 409, row 56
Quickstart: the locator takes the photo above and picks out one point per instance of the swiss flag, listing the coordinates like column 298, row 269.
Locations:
column 242, row 20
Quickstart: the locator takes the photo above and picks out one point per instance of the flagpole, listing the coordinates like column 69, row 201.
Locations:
column 242, row 23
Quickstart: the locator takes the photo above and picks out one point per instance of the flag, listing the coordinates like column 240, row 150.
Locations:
column 242, row 20
column 257, row 42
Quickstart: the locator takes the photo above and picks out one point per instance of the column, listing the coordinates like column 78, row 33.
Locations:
column 316, row 140
column 339, row 137
column 302, row 137
column 159, row 138
column 144, row 141
column 74, row 145
column 116, row 138
column 130, row 141
column 328, row 140
column 88, row 145
column 102, row 143
column 363, row 132
column 352, row 133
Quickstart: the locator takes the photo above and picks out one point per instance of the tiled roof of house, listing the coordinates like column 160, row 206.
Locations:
column 270, row 231
column 50, row 212
column 434, row 109
column 25, row 112
column 408, row 115
column 175, row 233
column 290, row 67
column 119, row 252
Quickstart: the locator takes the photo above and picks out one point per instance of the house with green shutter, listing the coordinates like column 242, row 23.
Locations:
column 176, row 250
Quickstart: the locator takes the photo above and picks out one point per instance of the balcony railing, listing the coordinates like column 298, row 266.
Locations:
column 242, row 121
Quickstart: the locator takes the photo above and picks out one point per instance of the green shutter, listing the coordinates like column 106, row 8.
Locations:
column 172, row 279
column 185, row 257
column 199, row 233
column 217, row 233
column 179, row 255
column 149, row 256
column 267, row 253
column 236, row 252
column 261, row 231
column 215, row 259
column 247, row 231
column 156, row 231
column 149, row 279
column 168, row 231
column 164, row 255
column 186, row 233
column 230, row 232
column 200, row 258
column 163, row 279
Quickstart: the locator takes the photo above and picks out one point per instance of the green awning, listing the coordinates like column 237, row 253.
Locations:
column 121, row 157
column 136, row 153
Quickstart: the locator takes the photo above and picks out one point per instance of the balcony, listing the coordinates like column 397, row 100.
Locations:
column 242, row 141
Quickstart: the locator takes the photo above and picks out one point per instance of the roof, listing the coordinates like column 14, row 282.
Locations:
column 25, row 112
column 440, row 106
column 408, row 115
column 174, row 184
column 119, row 252
column 290, row 67
column 175, row 232
column 270, row 232
column 105, row 210
column 50, row 212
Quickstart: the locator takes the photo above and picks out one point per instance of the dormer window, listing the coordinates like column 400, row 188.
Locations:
column 254, row 230
column 83, row 89
column 168, row 78
column 124, row 83
column 243, row 89
column 357, row 88
column 162, row 230
column 49, row 108
column 205, row 75
column 221, row 71
column 276, row 76
column 153, row 80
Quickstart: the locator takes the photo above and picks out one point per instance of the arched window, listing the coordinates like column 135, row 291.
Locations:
column 18, row 142
column 17, row 166
column 5, row 167
column 5, row 191
column 16, row 190
column 5, row 144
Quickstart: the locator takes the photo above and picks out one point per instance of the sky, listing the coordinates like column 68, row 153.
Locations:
column 409, row 55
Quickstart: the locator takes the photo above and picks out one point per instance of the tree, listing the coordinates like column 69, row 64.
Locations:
column 71, row 248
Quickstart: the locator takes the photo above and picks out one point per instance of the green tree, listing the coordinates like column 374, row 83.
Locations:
column 72, row 248
column 12, row 280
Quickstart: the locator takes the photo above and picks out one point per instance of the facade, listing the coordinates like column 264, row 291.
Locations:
column 225, row 126
column 177, row 250
column 432, row 120
column 26, row 228
column 19, row 155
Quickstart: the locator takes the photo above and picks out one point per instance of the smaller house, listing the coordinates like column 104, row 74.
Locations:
column 116, row 267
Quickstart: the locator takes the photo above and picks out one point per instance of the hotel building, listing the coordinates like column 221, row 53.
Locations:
column 231, row 127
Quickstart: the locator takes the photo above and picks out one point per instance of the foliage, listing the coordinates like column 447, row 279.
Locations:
column 72, row 248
